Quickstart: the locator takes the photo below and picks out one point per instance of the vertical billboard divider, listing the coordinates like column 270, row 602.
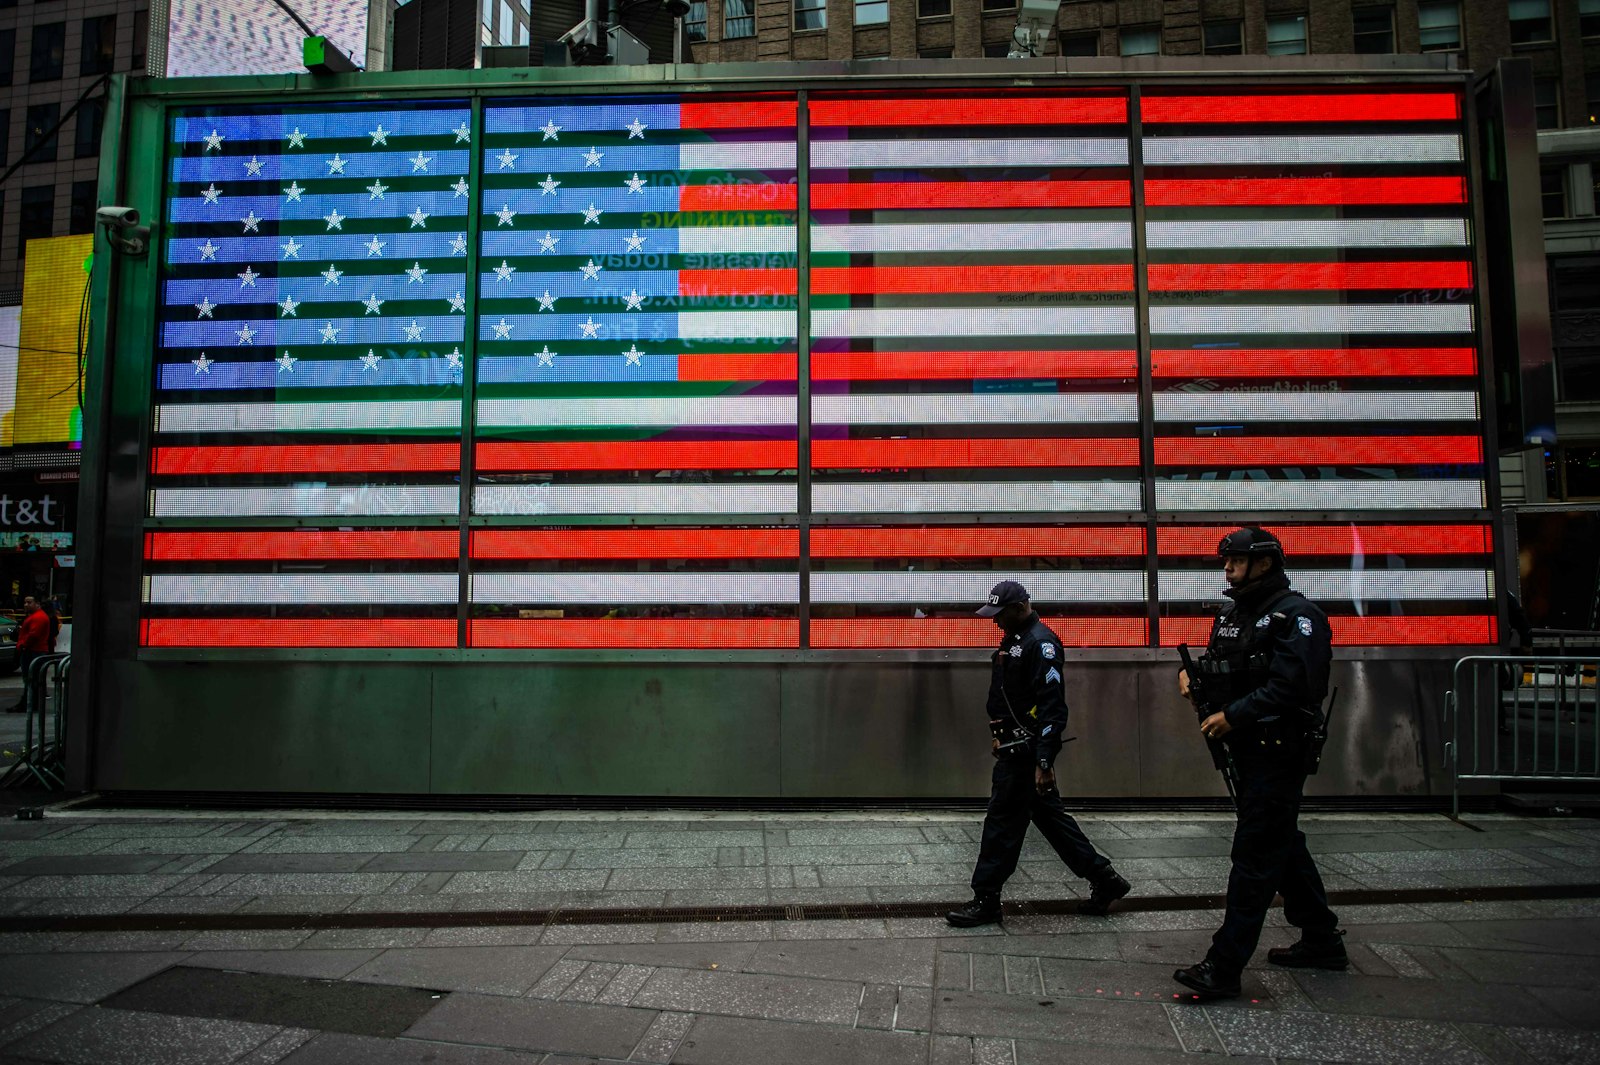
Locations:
column 1141, row 303
column 469, row 382
column 802, row 220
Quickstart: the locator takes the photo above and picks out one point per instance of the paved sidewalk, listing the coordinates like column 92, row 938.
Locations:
column 153, row 949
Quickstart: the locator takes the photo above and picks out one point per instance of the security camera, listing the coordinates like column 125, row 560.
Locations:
column 123, row 229
column 675, row 8
column 117, row 217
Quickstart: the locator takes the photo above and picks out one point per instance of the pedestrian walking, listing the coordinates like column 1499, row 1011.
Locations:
column 33, row 640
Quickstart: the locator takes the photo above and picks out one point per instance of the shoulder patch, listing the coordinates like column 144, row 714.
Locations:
column 1265, row 620
column 1305, row 626
column 1047, row 649
column 1053, row 675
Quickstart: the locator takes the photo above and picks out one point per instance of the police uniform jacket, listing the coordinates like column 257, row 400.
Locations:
column 1025, row 688
column 1268, row 656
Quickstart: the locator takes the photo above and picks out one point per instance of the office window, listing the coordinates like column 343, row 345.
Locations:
column 99, row 54
column 81, row 219
column 38, row 215
column 91, row 116
column 998, row 5
column 997, row 49
column 935, row 53
column 810, row 14
column 1224, row 38
column 694, row 23
column 1553, row 191
column 1589, row 18
column 141, row 37
column 5, row 135
column 1139, row 40
column 1591, row 94
column 1530, row 21
column 738, row 18
column 872, row 12
column 49, row 51
column 932, row 8
column 1286, row 35
column 42, row 119
column 8, row 51
column 1374, row 30
column 1439, row 25
column 1081, row 44
column 1547, row 103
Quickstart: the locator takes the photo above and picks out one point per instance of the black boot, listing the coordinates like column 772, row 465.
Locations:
column 1207, row 981
column 1320, row 952
column 1106, row 890
column 983, row 909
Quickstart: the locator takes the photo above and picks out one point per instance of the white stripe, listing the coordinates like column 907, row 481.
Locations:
column 1189, row 586
column 608, row 588
column 736, row 155
column 1318, row 495
column 955, row 587
column 1001, row 236
column 255, row 589
column 595, row 411
column 973, row 322
column 310, row 417
column 1310, row 233
column 975, row 497
column 1315, row 406
column 903, row 154
column 949, row 408
column 737, row 325
column 367, row 500
column 715, row 240
column 1335, row 318
column 635, row 499
column 1408, row 148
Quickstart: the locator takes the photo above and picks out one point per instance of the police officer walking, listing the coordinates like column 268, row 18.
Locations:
column 1027, row 714
column 1260, row 690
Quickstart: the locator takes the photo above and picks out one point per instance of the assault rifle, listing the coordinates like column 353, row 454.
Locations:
column 1203, row 708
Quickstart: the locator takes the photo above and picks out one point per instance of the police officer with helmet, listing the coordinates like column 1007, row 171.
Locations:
column 1027, row 711
column 1260, row 689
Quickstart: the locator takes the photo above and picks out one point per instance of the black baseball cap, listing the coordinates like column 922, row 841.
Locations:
column 1003, row 595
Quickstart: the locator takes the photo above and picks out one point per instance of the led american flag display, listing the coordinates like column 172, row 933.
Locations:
column 780, row 370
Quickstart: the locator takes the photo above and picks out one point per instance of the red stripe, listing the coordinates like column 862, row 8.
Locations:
column 1305, row 190
column 1198, row 540
column 492, row 544
column 1349, row 631
column 737, row 282
column 964, row 365
column 999, row 110
column 955, row 454
column 954, row 541
column 1344, row 107
column 293, row 545
column 771, row 197
column 297, row 632
column 640, row 455
column 1330, row 450
column 738, row 114
column 959, row 632
column 1219, row 277
column 900, row 280
column 307, row 458
column 1315, row 362
column 756, row 366
column 632, row 632
column 875, row 196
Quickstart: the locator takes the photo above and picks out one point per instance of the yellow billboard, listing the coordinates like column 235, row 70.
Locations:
column 54, row 284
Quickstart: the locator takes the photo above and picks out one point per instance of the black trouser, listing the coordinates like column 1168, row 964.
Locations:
column 1014, row 802
column 24, row 660
column 1269, row 853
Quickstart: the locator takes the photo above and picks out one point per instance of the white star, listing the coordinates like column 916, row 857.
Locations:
column 330, row 334
column 592, row 214
column 414, row 331
column 547, row 302
column 505, row 214
column 635, row 242
column 208, row 250
column 463, row 133
column 202, row 365
column 297, row 139
column 461, row 187
column 635, row 301
column 214, row 141
column 245, row 335
column 458, row 244
column 336, row 165
column 332, row 275
column 370, row 360
column 502, row 331
column 635, row 184
column 548, row 242
column 550, row 129
column 251, row 223
column 372, row 303
column 507, row 158
column 288, row 305
column 375, row 246
column 591, row 328
column 458, row 302
column 420, row 162
column 253, row 167
column 549, row 185
column 636, row 129
column 633, row 355
column 416, row 273
column 291, row 250
column 418, row 218
column 546, row 356
column 504, row 271
column 248, row 278
column 377, row 188
column 454, row 358
column 380, row 135
column 335, row 220
column 286, row 362
column 205, row 307
column 293, row 191
column 211, row 192
column 592, row 158
column 591, row 270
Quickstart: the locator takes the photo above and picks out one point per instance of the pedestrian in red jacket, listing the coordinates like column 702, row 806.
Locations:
column 33, row 640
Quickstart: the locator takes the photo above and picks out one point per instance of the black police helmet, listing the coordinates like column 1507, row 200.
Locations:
column 1253, row 543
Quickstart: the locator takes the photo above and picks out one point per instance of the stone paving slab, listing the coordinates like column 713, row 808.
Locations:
column 532, row 1024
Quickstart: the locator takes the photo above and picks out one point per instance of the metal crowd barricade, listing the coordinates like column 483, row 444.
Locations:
column 1523, row 717
column 41, row 759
